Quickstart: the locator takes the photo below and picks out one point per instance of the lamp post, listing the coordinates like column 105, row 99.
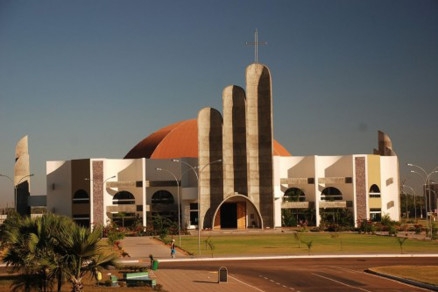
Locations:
column 426, row 176
column 200, row 169
column 15, row 189
column 103, row 183
column 16, row 186
column 413, row 195
column 177, row 184
column 107, row 180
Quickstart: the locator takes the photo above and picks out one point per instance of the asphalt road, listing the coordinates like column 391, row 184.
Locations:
column 319, row 274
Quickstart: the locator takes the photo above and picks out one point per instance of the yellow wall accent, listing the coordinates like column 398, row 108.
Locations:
column 375, row 203
column 373, row 168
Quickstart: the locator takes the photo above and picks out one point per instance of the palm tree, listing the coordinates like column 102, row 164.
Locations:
column 82, row 253
column 30, row 250
column 51, row 249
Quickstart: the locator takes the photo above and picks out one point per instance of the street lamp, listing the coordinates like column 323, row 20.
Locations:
column 179, row 215
column 426, row 176
column 108, row 179
column 13, row 184
column 16, row 186
column 200, row 169
column 103, row 183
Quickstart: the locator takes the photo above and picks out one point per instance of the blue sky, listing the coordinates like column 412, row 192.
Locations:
column 92, row 78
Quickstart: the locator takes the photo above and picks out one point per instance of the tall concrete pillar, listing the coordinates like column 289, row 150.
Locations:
column 22, row 177
column 259, row 139
column 234, row 141
column 210, row 185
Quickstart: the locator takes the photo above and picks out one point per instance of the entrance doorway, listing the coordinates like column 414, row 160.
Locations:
column 228, row 215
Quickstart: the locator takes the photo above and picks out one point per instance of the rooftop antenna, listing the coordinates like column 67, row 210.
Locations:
column 256, row 45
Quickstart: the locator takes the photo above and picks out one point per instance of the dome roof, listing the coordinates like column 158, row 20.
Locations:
column 178, row 140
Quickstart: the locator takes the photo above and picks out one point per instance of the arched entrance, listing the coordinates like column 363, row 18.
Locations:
column 296, row 210
column 333, row 209
column 237, row 212
column 81, row 208
column 163, row 205
column 375, row 203
column 125, row 217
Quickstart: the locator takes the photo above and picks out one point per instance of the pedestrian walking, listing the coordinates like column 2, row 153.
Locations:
column 172, row 249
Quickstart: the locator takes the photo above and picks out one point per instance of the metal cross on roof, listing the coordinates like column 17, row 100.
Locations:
column 256, row 45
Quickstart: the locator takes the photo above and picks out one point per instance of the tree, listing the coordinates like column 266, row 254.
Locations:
column 51, row 249
column 401, row 241
column 81, row 253
column 209, row 243
column 30, row 250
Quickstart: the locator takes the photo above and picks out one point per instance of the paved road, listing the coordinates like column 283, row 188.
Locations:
column 318, row 274
column 298, row 274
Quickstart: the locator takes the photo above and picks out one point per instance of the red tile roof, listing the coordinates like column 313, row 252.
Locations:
column 178, row 140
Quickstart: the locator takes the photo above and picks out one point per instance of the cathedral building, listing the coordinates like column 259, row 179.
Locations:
column 226, row 171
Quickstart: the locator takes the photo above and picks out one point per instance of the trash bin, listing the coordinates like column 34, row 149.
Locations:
column 155, row 265
column 223, row 275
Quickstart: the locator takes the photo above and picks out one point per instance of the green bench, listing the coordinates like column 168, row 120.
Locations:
column 139, row 279
column 136, row 275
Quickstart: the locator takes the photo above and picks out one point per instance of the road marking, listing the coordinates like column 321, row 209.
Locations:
column 249, row 285
column 278, row 283
column 339, row 282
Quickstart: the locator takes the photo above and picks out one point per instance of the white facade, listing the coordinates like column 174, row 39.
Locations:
column 103, row 180
column 313, row 174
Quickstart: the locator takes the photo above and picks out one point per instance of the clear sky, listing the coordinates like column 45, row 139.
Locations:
column 92, row 78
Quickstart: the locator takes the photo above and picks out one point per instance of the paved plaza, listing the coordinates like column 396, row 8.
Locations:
column 139, row 249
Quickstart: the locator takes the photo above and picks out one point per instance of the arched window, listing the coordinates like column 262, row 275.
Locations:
column 294, row 195
column 81, row 197
column 331, row 194
column 374, row 191
column 123, row 198
column 162, row 197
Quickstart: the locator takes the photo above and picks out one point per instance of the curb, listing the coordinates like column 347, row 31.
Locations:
column 404, row 280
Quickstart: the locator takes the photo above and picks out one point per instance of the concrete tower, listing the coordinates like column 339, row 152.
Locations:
column 259, row 140
column 22, row 176
column 239, row 192
column 234, row 141
column 210, row 174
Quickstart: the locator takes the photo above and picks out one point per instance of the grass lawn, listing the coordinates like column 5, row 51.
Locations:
column 423, row 274
column 303, row 243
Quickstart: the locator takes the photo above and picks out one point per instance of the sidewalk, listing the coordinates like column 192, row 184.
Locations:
column 139, row 249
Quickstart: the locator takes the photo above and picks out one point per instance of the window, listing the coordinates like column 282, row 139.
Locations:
column 81, row 197
column 123, row 198
column 374, row 191
column 331, row 194
column 294, row 195
column 375, row 214
column 162, row 197
column 82, row 220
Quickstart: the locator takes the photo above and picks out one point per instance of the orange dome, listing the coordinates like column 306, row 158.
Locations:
column 177, row 140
